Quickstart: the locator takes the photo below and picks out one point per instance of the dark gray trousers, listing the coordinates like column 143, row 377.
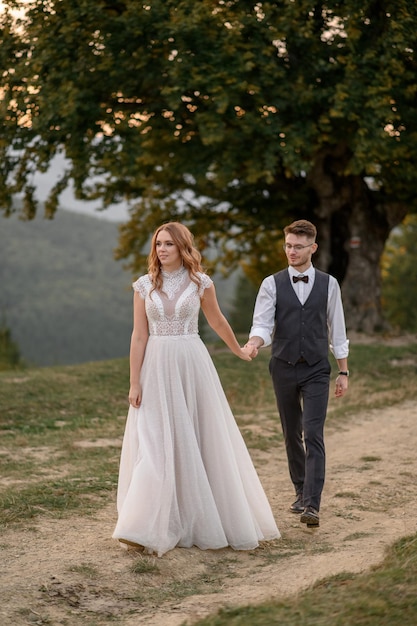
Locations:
column 302, row 393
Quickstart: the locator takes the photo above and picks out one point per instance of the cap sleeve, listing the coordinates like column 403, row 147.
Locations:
column 141, row 285
column 205, row 283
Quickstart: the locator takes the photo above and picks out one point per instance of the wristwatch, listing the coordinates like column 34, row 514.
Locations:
column 344, row 373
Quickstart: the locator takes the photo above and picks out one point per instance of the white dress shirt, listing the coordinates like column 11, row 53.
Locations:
column 264, row 313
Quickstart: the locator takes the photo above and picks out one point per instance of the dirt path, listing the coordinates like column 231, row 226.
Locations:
column 70, row 572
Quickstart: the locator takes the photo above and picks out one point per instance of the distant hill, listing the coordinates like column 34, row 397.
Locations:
column 63, row 296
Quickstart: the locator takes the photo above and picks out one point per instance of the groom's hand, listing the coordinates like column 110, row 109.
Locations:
column 250, row 349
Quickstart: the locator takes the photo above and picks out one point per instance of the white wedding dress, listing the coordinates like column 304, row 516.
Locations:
column 186, row 477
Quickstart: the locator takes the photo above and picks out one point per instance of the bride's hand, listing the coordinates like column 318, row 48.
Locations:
column 135, row 396
column 244, row 354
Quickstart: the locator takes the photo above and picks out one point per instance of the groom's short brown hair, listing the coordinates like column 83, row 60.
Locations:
column 301, row 227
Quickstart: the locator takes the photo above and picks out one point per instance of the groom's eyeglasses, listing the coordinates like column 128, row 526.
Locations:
column 297, row 248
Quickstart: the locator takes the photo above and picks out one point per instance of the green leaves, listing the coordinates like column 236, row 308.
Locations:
column 237, row 104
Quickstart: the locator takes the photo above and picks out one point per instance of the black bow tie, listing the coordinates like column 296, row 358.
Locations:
column 295, row 279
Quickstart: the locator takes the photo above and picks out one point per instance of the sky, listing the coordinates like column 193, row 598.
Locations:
column 44, row 183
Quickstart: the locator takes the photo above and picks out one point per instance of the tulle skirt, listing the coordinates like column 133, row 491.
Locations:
column 186, row 477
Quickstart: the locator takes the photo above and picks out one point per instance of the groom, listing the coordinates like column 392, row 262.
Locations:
column 299, row 310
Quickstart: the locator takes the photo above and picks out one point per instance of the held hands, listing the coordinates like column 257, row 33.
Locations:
column 244, row 355
column 251, row 350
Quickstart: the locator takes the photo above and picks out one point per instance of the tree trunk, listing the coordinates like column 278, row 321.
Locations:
column 361, row 287
column 353, row 226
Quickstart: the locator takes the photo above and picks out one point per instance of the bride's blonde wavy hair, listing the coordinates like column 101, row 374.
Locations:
column 184, row 240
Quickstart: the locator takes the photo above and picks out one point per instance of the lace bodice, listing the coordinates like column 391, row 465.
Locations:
column 174, row 310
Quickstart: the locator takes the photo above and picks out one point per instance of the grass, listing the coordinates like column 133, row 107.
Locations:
column 60, row 435
column 385, row 596
column 44, row 415
column 47, row 413
column 86, row 569
column 144, row 566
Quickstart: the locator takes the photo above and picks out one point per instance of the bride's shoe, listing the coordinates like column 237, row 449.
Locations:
column 126, row 544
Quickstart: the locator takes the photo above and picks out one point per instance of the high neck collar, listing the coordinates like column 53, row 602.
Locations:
column 178, row 272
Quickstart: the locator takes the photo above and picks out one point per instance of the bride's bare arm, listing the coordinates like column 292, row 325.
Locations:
column 138, row 343
column 219, row 323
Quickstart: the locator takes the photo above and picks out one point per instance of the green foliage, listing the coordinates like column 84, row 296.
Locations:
column 235, row 117
column 244, row 301
column 399, row 297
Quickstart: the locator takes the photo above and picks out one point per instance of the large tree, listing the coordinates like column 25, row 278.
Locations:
column 234, row 116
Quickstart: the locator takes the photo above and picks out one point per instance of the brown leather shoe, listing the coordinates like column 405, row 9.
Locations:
column 310, row 516
column 297, row 506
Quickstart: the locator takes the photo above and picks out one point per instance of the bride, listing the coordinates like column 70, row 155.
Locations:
column 186, row 477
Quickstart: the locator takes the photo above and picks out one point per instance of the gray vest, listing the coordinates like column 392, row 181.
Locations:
column 301, row 329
